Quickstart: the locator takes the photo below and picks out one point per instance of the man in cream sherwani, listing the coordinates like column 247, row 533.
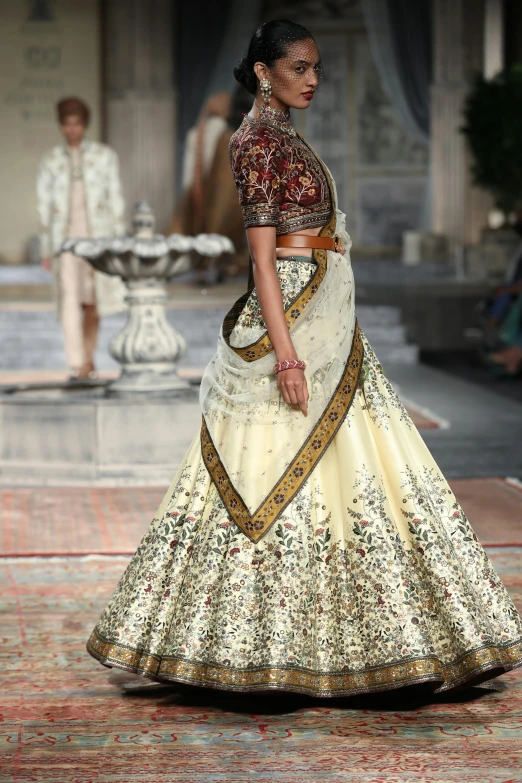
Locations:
column 79, row 195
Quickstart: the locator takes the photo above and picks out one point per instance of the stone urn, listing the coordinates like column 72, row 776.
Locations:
column 148, row 348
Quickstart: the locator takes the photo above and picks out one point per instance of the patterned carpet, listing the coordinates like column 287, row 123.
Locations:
column 89, row 520
column 64, row 722
column 75, row 520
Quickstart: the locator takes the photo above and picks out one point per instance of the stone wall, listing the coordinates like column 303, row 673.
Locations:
column 391, row 166
column 459, row 209
column 48, row 49
column 140, row 100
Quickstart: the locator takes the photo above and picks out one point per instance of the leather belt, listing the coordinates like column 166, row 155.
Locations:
column 305, row 240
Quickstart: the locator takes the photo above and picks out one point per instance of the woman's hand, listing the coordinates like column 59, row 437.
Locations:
column 292, row 385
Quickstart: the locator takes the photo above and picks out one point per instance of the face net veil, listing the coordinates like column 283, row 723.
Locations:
column 300, row 69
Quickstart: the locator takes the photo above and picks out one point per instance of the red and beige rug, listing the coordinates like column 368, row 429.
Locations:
column 87, row 520
column 62, row 721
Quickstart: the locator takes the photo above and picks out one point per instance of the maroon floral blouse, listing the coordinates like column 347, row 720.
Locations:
column 279, row 180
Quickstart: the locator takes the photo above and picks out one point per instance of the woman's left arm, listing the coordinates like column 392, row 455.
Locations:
column 262, row 243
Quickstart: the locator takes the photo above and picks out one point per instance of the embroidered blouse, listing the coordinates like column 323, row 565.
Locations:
column 279, row 180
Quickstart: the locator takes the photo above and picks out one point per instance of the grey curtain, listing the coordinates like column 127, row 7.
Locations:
column 400, row 39
column 243, row 20
column 211, row 39
column 200, row 29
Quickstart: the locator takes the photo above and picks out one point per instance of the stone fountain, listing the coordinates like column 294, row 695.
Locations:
column 130, row 431
column 148, row 347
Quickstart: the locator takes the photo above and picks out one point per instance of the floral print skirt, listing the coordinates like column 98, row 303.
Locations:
column 371, row 579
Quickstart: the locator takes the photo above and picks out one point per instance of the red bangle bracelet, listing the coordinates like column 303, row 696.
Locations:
column 289, row 364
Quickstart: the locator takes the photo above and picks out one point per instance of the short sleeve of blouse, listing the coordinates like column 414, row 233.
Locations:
column 256, row 160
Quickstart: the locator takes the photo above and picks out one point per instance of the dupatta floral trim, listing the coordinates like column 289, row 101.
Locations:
column 257, row 524
column 263, row 346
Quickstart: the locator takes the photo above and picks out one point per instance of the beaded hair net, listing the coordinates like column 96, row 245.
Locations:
column 289, row 52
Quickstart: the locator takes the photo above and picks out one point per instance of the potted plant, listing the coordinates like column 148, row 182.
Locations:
column 493, row 129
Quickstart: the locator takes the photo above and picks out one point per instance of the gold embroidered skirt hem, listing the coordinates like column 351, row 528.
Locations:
column 473, row 667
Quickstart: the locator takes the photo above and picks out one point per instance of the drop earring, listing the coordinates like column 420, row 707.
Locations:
column 266, row 90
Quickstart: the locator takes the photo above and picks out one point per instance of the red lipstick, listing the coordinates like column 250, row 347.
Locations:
column 308, row 95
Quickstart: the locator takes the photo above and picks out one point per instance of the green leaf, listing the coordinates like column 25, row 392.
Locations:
column 493, row 129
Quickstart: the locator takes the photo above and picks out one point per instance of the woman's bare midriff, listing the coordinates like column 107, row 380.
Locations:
column 302, row 252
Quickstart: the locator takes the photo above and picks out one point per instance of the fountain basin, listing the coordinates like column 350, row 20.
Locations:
column 148, row 348
column 63, row 434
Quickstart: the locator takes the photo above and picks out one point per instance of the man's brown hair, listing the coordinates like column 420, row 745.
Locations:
column 68, row 107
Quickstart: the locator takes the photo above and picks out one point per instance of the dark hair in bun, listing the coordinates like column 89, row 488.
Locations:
column 269, row 43
column 245, row 75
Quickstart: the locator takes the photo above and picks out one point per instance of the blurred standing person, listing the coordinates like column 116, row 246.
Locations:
column 222, row 209
column 200, row 149
column 503, row 323
column 79, row 195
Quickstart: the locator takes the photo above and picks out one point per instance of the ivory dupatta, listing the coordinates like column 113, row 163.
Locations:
column 259, row 450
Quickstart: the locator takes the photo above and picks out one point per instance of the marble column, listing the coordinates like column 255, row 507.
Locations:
column 459, row 209
column 493, row 38
column 140, row 99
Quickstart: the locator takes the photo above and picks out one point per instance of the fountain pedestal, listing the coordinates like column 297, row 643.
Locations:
column 148, row 348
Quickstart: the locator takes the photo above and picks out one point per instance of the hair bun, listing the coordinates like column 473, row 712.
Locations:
column 245, row 75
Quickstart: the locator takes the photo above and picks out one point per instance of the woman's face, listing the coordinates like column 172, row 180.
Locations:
column 295, row 77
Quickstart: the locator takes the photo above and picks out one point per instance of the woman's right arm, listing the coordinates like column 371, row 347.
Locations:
column 262, row 244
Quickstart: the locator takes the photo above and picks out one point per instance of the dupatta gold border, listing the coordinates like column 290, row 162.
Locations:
column 256, row 525
column 263, row 346
column 473, row 664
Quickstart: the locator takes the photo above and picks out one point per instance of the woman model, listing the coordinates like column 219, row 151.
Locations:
column 79, row 195
column 308, row 542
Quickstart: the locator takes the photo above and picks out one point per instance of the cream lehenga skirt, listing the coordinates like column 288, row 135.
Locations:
column 325, row 555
